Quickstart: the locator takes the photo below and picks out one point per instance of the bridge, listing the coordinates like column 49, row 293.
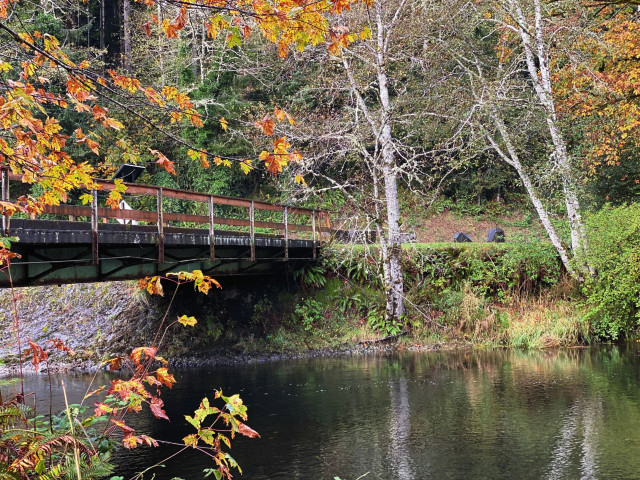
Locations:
column 157, row 231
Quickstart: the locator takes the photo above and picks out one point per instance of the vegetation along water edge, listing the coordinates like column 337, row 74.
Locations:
column 513, row 294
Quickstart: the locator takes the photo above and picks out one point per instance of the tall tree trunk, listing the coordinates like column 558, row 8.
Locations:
column 126, row 46
column 195, row 55
column 88, row 26
column 392, row 261
column 537, row 59
column 512, row 158
column 160, row 49
column 384, row 165
column 102, row 42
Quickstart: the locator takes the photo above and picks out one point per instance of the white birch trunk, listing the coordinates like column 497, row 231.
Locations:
column 381, row 129
column 512, row 158
column 537, row 59
column 392, row 262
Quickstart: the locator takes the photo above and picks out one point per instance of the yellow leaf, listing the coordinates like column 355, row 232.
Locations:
column 224, row 123
column 300, row 180
column 246, row 166
column 187, row 321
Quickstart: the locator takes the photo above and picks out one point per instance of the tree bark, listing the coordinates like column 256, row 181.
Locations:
column 101, row 27
column 392, row 262
column 537, row 59
column 385, row 167
column 126, row 46
column 512, row 158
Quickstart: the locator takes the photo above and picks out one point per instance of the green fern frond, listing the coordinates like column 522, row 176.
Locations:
column 5, row 474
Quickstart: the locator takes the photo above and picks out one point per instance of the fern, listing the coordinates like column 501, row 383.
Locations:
column 5, row 474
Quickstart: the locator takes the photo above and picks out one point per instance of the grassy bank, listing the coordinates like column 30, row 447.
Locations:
column 513, row 294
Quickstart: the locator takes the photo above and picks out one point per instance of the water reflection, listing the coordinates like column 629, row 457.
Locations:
column 578, row 437
column 488, row 414
column 400, row 429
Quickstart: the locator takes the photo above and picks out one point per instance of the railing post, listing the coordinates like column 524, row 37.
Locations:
column 94, row 228
column 5, row 198
column 313, row 233
column 252, row 232
column 160, row 227
column 285, row 220
column 212, row 239
column 320, row 229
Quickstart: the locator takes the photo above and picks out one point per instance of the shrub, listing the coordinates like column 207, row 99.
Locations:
column 613, row 292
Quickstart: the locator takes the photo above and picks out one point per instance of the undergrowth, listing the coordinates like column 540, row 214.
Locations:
column 496, row 294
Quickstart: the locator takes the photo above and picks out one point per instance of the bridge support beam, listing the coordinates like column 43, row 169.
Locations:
column 55, row 252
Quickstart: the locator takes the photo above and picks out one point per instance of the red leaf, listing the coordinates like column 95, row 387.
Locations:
column 247, row 431
column 115, row 363
column 156, row 405
column 126, row 429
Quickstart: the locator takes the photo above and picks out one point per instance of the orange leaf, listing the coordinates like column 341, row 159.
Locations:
column 60, row 345
column 164, row 162
column 266, row 125
column 165, row 377
column 141, row 354
column 115, row 363
column 39, row 355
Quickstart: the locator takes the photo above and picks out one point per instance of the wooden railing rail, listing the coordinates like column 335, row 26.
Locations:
column 317, row 223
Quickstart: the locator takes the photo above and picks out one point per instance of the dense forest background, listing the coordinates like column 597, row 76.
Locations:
column 394, row 111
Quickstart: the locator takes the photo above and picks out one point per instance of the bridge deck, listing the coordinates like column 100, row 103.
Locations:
column 129, row 244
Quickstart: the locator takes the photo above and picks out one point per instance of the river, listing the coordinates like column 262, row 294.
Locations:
column 504, row 414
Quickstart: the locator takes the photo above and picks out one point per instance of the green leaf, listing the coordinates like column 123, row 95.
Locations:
column 234, row 40
column 40, row 467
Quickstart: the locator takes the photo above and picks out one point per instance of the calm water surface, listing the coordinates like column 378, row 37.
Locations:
column 567, row 414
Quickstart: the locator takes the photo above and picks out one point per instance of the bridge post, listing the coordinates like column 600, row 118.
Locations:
column 94, row 228
column 285, row 220
column 5, row 198
column 252, row 232
column 160, row 226
column 319, row 222
column 212, row 242
column 313, row 233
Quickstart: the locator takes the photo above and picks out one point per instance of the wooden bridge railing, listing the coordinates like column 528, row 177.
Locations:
column 316, row 222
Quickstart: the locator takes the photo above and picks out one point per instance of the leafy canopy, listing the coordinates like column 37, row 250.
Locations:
column 34, row 143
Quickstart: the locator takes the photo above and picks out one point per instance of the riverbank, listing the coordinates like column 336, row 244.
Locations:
column 482, row 295
column 527, row 324
column 223, row 357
